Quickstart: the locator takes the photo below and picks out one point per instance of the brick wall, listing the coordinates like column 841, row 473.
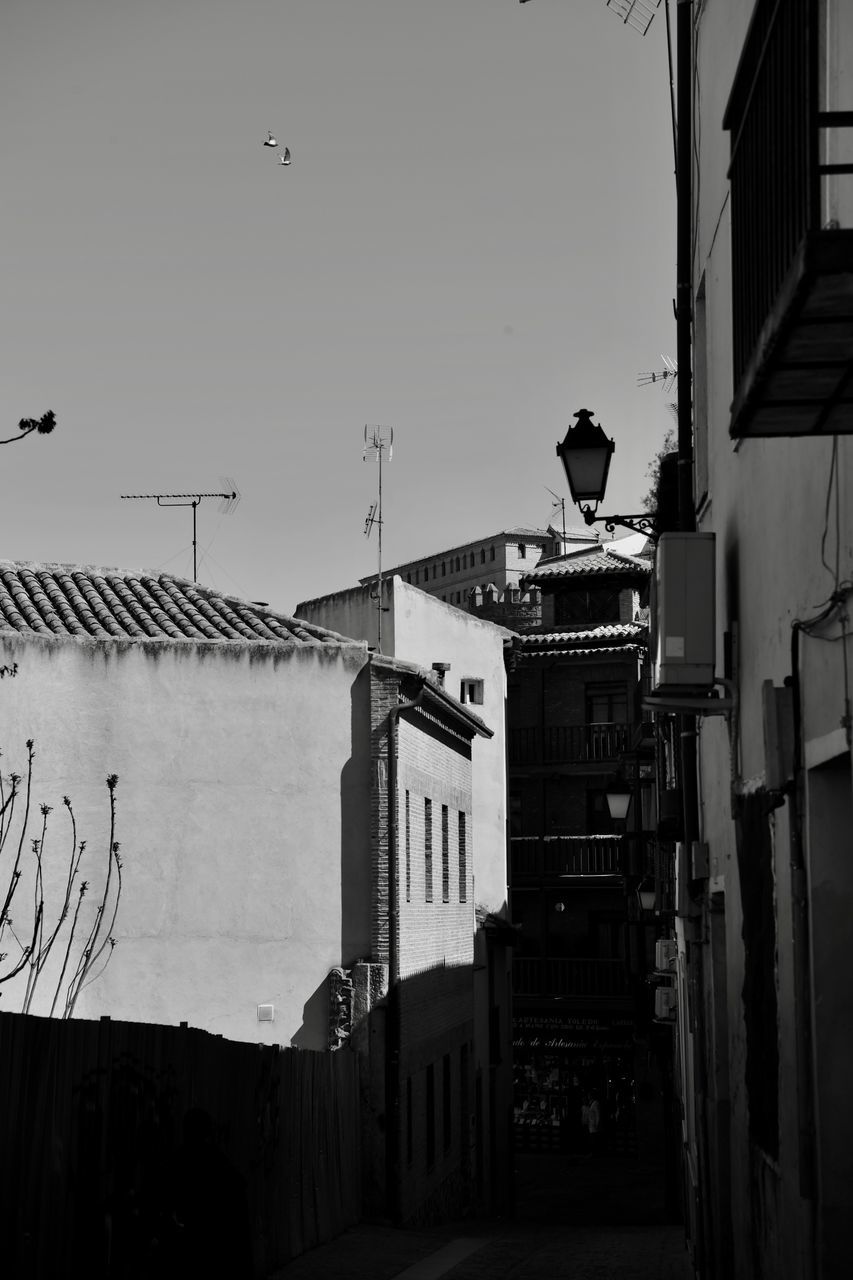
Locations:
column 435, row 942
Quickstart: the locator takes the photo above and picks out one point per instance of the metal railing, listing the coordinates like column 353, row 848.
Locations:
column 535, row 856
column 581, row 978
column 568, row 744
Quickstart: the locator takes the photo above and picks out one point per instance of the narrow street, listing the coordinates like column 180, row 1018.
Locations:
column 576, row 1219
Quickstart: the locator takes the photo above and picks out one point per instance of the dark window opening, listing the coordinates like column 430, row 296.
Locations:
column 445, row 854
column 755, row 861
column 446, row 1113
column 410, row 1136
column 428, row 850
column 587, row 604
column 408, row 851
column 430, row 1116
column 463, row 859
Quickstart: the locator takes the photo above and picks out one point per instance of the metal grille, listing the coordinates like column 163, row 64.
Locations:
column 773, row 172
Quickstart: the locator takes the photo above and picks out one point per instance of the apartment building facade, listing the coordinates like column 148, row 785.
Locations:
column 766, row 893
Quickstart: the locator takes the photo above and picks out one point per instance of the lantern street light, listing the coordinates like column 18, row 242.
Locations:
column 647, row 895
column 585, row 454
column 618, row 800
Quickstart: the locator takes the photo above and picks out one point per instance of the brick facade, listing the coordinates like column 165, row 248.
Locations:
column 421, row 771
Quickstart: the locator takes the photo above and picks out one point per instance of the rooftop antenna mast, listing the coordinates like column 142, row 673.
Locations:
column 377, row 441
column 561, row 503
column 228, row 501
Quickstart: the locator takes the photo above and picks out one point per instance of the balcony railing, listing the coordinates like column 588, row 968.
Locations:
column 568, row 744
column 582, row 979
column 792, row 316
column 553, row 856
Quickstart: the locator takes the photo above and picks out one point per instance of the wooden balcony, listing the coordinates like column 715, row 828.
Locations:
column 568, row 744
column 553, row 857
column 792, row 268
column 579, row 979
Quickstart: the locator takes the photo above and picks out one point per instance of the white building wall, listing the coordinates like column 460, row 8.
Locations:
column 782, row 513
column 418, row 628
column 242, row 817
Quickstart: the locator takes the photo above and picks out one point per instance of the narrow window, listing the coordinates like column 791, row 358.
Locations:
column 443, row 568
column 491, row 553
column 482, row 555
column 409, row 578
column 410, row 1135
column 428, row 850
column 426, row 573
column 445, row 854
column 430, row 1116
column 408, row 850
column 522, row 551
column 446, row 1114
column 463, row 858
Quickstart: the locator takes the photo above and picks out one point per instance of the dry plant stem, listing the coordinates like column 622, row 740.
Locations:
column 91, row 951
column 45, row 948
column 80, row 896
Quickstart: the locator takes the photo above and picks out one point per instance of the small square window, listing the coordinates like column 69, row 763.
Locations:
column 471, row 691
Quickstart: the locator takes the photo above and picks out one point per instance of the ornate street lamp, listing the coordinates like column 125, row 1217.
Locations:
column 585, row 454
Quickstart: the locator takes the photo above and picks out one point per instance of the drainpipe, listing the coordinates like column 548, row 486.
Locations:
column 807, row 1141
column 687, row 524
column 393, row 1162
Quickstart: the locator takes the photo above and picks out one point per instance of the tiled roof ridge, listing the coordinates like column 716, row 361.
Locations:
column 91, row 602
column 592, row 631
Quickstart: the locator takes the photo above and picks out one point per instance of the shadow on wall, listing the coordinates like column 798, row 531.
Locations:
column 355, row 872
column 314, row 1032
column 355, row 828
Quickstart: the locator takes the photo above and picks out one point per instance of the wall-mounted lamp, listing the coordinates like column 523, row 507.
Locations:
column 618, row 799
column 647, row 895
column 585, row 454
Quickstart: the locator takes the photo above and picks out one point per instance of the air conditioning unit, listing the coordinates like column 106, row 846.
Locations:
column 666, row 1004
column 666, row 955
column 683, row 616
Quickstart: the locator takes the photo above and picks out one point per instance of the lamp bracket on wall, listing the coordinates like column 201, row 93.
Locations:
column 637, row 523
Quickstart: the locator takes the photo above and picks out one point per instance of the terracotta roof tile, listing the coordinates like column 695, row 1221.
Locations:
column 598, row 560
column 80, row 602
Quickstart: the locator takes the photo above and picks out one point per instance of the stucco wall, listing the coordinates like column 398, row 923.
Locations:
column 780, row 539
column 242, row 815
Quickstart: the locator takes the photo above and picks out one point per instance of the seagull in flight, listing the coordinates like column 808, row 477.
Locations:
column 270, row 142
column 285, row 159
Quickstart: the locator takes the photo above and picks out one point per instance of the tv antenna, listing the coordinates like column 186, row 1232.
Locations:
column 228, row 501
column 637, row 14
column 667, row 377
column 561, row 503
column 377, row 441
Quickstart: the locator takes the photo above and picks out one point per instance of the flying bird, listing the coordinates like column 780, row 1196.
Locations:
column 285, row 159
column 270, row 142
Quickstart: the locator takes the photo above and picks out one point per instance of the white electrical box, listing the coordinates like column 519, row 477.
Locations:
column 684, row 621
column 666, row 955
column 666, row 1002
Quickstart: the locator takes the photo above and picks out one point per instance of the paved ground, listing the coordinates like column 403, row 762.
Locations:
column 575, row 1219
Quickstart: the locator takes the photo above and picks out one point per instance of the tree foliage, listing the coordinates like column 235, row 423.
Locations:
column 42, row 426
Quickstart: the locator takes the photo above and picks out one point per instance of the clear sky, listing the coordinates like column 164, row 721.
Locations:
column 475, row 238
